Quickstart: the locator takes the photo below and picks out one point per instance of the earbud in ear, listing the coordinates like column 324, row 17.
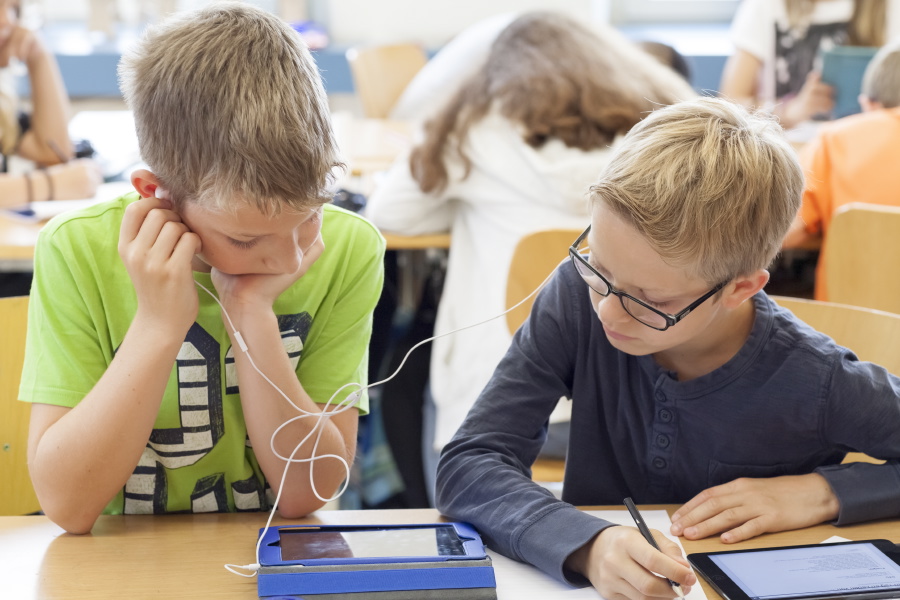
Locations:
column 160, row 193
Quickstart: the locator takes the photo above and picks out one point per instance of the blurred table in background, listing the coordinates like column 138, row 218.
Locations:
column 368, row 147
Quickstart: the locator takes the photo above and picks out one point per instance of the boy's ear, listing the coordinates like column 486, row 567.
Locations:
column 744, row 287
column 868, row 105
column 146, row 183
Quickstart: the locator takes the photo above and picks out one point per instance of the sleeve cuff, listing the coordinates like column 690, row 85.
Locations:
column 865, row 491
column 550, row 540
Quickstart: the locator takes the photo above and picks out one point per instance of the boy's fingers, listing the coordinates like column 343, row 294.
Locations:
column 135, row 213
column 165, row 243
column 661, row 563
column 154, row 222
column 188, row 245
column 746, row 531
column 719, row 522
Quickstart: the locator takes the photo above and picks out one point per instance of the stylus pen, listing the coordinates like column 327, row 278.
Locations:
column 645, row 531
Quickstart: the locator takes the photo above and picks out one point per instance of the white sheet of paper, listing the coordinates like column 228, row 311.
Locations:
column 520, row 581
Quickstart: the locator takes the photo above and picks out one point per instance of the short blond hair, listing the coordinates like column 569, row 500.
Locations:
column 228, row 102
column 712, row 187
column 881, row 81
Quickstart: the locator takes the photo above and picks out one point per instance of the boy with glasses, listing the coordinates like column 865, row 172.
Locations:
column 689, row 384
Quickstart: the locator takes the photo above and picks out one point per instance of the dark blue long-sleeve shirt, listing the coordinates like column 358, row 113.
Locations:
column 789, row 402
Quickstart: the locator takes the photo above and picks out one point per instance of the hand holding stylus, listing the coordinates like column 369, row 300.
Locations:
column 645, row 531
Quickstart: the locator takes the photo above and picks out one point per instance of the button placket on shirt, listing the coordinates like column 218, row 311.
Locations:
column 662, row 438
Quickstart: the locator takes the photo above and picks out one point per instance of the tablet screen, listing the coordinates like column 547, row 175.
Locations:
column 311, row 543
column 810, row 571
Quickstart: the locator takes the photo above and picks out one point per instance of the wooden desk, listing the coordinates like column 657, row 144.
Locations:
column 17, row 240
column 395, row 241
column 181, row 556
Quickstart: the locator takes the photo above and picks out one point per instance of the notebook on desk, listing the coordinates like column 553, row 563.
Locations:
column 843, row 68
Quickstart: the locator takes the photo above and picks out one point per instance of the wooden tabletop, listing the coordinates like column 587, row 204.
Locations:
column 182, row 556
column 17, row 240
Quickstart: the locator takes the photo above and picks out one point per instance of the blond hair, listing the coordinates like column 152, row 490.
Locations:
column 557, row 80
column 710, row 186
column 866, row 25
column 881, row 81
column 228, row 102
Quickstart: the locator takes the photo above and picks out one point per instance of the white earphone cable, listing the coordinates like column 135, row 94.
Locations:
column 347, row 403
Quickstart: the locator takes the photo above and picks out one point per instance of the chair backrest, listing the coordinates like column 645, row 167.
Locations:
column 16, row 493
column 862, row 257
column 381, row 73
column 871, row 334
column 535, row 256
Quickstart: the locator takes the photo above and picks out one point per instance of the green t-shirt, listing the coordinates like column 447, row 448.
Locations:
column 198, row 458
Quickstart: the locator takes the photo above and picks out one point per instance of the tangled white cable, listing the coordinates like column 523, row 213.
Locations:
column 349, row 402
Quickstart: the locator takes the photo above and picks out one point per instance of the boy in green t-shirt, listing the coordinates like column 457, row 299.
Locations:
column 143, row 400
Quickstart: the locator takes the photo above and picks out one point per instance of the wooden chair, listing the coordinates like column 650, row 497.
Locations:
column 535, row 257
column 862, row 257
column 16, row 494
column 381, row 73
column 871, row 334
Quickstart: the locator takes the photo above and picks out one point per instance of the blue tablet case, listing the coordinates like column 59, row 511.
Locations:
column 843, row 68
column 468, row 576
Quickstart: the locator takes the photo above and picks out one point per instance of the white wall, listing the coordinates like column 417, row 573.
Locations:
column 430, row 22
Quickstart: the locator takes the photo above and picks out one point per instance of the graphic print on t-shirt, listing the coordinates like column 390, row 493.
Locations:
column 798, row 51
column 200, row 402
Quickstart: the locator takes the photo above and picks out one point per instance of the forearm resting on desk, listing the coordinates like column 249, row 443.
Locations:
column 265, row 410
column 79, row 458
column 73, row 180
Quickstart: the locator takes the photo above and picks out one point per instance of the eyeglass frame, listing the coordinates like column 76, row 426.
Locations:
column 670, row 320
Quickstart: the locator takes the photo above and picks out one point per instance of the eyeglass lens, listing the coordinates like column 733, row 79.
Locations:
column 636, row 310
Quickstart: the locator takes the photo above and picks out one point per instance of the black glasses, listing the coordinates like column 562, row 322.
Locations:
column 638, row 309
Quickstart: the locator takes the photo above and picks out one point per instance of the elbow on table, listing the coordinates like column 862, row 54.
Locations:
column 299, row 510
column 70, row 518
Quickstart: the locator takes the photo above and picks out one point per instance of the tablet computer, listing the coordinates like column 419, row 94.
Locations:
column 334, row 544
column 853, row 570
column 375, row 562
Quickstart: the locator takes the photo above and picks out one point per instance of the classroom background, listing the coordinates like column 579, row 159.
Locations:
column 89, row 35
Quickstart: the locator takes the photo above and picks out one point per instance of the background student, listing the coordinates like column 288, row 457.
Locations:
column 511, row 152
column 853, row 159
column 688, row 383
column 778, row 43
column 39, row 135
column 142, row 399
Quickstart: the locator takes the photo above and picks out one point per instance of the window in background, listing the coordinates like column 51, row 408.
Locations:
column 670, row 11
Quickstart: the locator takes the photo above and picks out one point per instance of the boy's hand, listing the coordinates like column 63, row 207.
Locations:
column 745, row 508
column 621, row 564
column 157, row 249
column 252, row 291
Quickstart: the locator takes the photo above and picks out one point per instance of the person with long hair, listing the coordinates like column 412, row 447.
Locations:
column 40, row 136
column 778, row 44
column 513, row 150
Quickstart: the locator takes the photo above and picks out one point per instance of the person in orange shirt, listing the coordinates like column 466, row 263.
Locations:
column 853, row 159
